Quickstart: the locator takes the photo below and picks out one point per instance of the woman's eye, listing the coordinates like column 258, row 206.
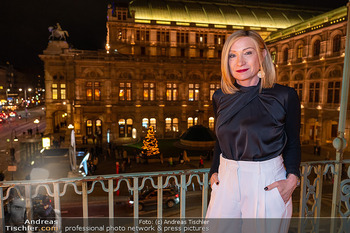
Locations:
column 231, row 55
column 248, row 53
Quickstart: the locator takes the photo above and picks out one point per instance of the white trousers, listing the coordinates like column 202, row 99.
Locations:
column 241, row 195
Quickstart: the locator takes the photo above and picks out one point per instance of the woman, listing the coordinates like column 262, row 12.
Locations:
column 257, row 156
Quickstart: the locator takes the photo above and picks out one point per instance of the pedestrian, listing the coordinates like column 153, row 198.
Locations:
column 201, row 162
column 170, row 160
column 138, row 158
column 95, row 162
column 315, row 149
column 123, row 166
column 185, row 157
column 319, row 150
column 161, row 158
column 181, row 158
column 129, row 162
column 125, row 155
column 257, row 156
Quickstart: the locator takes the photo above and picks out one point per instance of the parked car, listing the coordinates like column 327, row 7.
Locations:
column 149, row 198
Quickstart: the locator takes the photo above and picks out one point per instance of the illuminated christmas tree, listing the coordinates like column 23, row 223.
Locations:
column 150, row 144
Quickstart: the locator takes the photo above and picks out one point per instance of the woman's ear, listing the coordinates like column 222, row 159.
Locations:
column 264, row 53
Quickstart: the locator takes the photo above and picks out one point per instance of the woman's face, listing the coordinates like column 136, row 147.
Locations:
column 244, row 62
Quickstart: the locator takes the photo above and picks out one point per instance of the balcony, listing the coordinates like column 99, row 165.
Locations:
column 315, row 178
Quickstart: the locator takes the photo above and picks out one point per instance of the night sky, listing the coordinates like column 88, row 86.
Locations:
column 24, row 26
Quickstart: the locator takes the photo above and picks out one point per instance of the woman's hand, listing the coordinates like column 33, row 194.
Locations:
column 285, row 187
column 214, row 179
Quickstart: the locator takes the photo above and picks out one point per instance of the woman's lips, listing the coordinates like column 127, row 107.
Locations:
column 241, row 71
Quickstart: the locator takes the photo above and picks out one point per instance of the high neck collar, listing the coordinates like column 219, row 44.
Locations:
column 246, row 89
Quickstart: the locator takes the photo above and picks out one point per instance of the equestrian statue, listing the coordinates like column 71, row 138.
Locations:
column 57, row 33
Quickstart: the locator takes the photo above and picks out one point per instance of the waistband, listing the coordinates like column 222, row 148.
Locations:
column 257, row 166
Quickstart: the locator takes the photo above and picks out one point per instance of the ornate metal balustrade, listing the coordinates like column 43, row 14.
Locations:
column 312, row 181
column 135, row 182
column 313, row 175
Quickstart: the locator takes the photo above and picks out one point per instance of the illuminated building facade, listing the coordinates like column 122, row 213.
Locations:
column 12, row 86
column 160, row 67
column 309, row 57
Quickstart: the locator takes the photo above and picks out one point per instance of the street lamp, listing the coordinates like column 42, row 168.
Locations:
column 36, row 121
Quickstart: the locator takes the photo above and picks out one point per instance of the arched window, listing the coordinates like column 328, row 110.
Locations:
column 299, row 89
column 317, row 48
column 189, row 122
column 212, row 88
column 274, row 56
column 336, row 43
column 121, row 124
column 285, row 55
column 89, row 127
column 93, row 91
column 146, row 123
column 314, row 92
column 175, row 125
column 153, row 122
column 129, row 123
column 98, row 127
column 211, row 123
column 192, row 121
column 333, row 92
column 58, row 88
column 300, row 51
column 171, row 124
column 193, row 92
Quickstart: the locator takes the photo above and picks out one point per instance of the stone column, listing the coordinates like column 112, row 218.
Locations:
column 161, row 121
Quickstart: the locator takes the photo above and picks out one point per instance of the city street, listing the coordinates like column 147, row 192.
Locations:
column 16, row 127
column 123, row 209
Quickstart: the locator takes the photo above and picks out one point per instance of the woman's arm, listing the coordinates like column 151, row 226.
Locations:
column 213, row 174
column 292, row 150
column 217, row 151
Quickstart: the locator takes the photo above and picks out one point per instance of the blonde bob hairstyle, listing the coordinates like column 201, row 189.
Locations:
column 266, row 65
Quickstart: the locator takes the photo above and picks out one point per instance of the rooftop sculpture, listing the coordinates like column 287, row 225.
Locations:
column 57, row 33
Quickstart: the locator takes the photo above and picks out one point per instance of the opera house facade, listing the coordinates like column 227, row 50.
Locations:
column 161, row 65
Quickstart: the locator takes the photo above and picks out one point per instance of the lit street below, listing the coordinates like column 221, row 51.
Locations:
column 123, row 209
column 15, row 127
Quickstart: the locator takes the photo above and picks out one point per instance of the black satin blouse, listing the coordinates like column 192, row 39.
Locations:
column 254, row 125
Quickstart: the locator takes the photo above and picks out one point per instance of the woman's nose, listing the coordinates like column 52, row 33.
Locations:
column 240, row 60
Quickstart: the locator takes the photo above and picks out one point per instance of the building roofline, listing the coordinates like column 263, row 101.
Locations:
column 219, row 12
column 253, row 3
column 329, row 18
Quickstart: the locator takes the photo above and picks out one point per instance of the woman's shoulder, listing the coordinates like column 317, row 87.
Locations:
column 279, row 89
column 281, row 92
column 218, row 93
column 282, row 87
